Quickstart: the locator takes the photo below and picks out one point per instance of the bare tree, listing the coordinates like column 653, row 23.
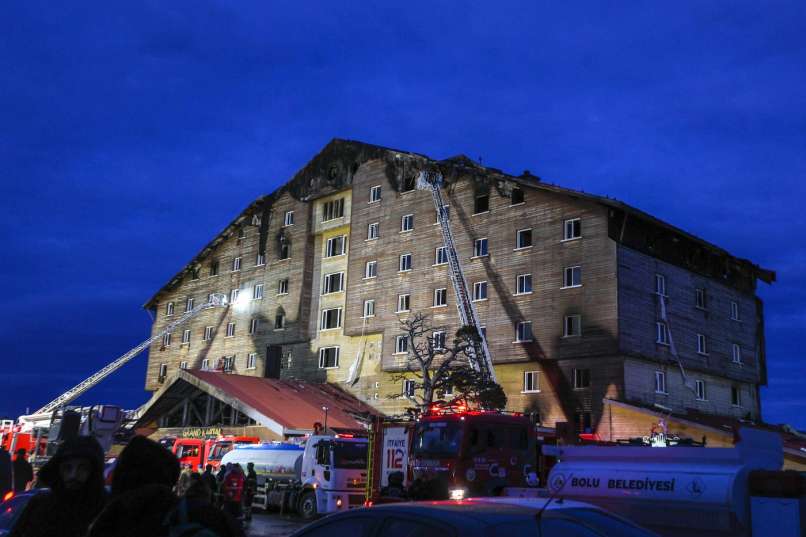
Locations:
column 434, row 365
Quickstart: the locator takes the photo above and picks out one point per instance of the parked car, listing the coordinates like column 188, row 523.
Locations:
column 487, row 517
column 11, row 509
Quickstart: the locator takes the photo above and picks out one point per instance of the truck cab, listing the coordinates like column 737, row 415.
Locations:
column 471, row 453
column 333, row 474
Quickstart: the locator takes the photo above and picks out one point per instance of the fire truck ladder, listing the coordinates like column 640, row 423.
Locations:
column 479, row 354
column 216, row 300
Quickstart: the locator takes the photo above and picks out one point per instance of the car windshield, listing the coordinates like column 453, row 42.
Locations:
column 219, row 450
column 350, row 455
column 438, row 438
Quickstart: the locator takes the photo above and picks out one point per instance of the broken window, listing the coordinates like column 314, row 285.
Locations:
column 481, row 204
column 285, row 248
column 517, row 196
column 409, row 183
column 573, row 325
column 523, row 238
column 279, row 319
column 582, row 379
column 214, row 268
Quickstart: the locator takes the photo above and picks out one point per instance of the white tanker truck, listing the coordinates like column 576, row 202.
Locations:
column 327, row 474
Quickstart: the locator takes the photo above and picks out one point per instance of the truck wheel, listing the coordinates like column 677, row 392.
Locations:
column 307, row 505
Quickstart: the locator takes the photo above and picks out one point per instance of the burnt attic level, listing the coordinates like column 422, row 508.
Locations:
column 333, row 169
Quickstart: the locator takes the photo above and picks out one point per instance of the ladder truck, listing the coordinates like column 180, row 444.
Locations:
column 42, row 418
column 479, row 355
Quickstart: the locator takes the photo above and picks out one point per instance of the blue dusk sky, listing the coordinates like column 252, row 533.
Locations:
column 130, row 134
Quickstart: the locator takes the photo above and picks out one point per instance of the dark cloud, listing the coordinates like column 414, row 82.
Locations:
column 131, row 134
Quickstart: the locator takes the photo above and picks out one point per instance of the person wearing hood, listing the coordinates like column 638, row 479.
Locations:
column 143, row 502
column 23, row 471
column 5, row 472
column 74, row 476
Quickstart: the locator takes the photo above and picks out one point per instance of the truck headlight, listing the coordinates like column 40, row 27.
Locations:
column 457, row 494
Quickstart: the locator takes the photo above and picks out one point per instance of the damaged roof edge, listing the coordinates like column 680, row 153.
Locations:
column 463, row 164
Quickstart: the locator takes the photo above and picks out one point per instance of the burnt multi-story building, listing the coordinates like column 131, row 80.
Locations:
column 582, row 298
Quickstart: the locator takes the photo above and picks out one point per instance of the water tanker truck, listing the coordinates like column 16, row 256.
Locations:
column 326, row 474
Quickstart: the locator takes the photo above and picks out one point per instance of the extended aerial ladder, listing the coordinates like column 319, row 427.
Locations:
column 44, row 413
column 479, row 353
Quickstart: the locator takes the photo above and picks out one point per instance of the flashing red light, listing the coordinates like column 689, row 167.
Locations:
column 368, row 503
column 344, row 435
column 8, row 495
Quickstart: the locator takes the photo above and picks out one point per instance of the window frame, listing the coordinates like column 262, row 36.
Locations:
column 186, row 336
column 236, row 264
column 520, row 233
column 407, row 220
column 735, row 314
column 401, row 344
column 333, row 210
column 257, row 291
column 438, row 336
column 702, row 345
column 373, row 231
column 660, row 285
column 519, row 333
column 409, row 387
column 661, row 328
column 288, row 218
column 440, row 292
column 661, row 386
column 700, row 390
column 323, row 355
column 571, row 236
column 479, row 285
column 169, row 309
column 573, row 269
column 736, row 354
column 251, row 361
column 512, row 202
column 329, row 246
column 234, row 295
column 282, row 283
column 534, row 375
column 183, row 364
column 440, row 250
column 260, row 259
column 189, row 303
column 230, row 329
column 701, row 298
column 208, row 333
column 371, row 303
column 481, row 251
column 374, row 272
column 372, row 191
column 408, row 261
column 327, row 280
column 566, row 319
column 523, row 278
column 325, row 314
column 735, row 396
column 254, row 325
column 407, row 300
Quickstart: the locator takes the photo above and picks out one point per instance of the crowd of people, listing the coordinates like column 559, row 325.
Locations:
column 149, row 494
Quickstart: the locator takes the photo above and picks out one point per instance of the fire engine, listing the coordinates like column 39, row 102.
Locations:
column 199, row 452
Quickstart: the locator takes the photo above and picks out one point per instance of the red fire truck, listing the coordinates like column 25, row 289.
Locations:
column 453, row 452
column 199, row 452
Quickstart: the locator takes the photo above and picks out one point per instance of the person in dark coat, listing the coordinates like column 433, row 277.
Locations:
column 209, row 478
column 23, row 471
column 249, row 490
column 75, row 476
column 5, row 472
column 143, row 502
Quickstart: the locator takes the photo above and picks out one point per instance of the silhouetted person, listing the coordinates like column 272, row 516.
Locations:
column 5, row 472
column 143, row 502
column 233, row 490
column 249, row 490
column 75, row 476
column 210, row 479
column 23, row 471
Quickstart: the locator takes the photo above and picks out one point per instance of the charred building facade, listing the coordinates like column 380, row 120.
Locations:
column 583, row 298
